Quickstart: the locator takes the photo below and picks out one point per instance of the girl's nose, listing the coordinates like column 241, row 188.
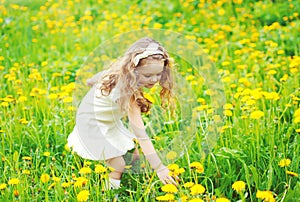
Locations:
column 154, row 79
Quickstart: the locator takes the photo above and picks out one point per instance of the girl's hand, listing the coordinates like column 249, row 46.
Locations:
column 163, row 175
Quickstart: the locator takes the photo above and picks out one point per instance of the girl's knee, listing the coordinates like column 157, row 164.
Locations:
column 121, row 164
column 117, row 163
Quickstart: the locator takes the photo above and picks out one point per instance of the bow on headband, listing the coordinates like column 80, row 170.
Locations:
column 152, row 49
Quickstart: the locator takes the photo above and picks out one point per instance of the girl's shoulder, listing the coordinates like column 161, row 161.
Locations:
column 103, row 72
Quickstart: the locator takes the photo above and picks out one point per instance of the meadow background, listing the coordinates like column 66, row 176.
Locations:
column 255, row 46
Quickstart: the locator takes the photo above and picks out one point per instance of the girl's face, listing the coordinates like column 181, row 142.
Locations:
column 149, row 74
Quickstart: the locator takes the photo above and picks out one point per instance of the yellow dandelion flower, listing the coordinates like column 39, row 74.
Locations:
column 56, row 179
column 284, row 78
column 3, row 186
column 44, row 63
column 183, row 198
column 284, row 162
column 46, row 154
column 188, row 184
column 71, row 108
column 173, row 166
column 297, row 113
column 297, row 119
column 292, row 173
column 26, row 172
column 280, row 52
column 22, row 99
column 23, row 121
column 149, row 97
column 80, row 182
column 175, row 170
column 171, row 155
column 225, row 63
column 87, row 163
column 13, row 181
column 27, row 158
column 296, row 98
column 272, row 96
column 167, row 197
column 65, row 184
column 226, row 79
column 272, row 72
column 228, row 106
column 68, row 100
column 45, row 178
column 67, row 148
column 100, row 169
column 56, row 74
column 222, row 199
column 227, row 112
column 169, row 188
column 201, row 100
column 52, row 96
column 85, row 170
column 197, row 189
column 83, row 195
column 4, row 104
column 265, row 195
column 157, row 25
column 198, row 166
column 221, row 12
column 202, row 107
column 190, row 77
column 256, row 114
column 239, row 186
column 210, row 92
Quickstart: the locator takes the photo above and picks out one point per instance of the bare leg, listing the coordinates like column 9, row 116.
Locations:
column 118, row 163
column 136, row 155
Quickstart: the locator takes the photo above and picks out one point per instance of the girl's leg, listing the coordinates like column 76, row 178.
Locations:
column 118, row 163
column 136, row 155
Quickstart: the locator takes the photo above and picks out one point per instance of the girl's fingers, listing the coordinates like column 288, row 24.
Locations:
column 169, row 180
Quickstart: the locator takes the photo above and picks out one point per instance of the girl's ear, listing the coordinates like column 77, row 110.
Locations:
column 164, row 75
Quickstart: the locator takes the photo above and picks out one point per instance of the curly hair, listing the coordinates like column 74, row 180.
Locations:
column 122, row 74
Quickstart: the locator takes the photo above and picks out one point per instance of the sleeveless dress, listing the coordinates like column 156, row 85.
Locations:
column 99, row 133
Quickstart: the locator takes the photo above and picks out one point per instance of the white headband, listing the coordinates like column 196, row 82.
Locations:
column 152, row 49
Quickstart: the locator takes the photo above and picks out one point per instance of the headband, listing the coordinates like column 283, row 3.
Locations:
column 152, row 49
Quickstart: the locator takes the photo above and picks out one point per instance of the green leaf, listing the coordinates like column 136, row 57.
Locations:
column 293, row 195
column 255, row 175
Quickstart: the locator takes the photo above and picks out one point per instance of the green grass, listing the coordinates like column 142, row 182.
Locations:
column 254, row 46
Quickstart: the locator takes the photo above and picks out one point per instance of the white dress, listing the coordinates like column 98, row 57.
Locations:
column 99, row 133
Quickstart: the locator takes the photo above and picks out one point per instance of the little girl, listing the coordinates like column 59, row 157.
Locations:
column 117, row 92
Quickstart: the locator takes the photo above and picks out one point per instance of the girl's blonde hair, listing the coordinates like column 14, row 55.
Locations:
column 123, row 74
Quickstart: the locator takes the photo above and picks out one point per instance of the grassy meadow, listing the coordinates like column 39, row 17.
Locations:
column 253, row 44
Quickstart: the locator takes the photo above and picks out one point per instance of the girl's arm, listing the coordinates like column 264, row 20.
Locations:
column 148, row 149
